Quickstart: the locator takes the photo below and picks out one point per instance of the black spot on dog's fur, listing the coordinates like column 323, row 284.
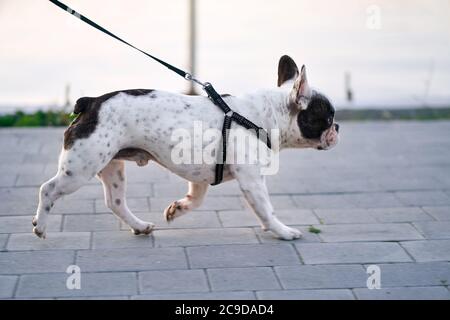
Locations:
column 317, row 117
column 115, row 185
column 120, row 175
column 87, row 109
column 118, row 202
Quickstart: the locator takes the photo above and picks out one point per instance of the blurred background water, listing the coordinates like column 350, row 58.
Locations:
column 395, row 53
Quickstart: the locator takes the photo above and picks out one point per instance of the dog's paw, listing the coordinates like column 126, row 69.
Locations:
column 174, row 210
column 287, row 233
column 34, row 221
column 40, row 232
column 39, row 229
column 146, row 230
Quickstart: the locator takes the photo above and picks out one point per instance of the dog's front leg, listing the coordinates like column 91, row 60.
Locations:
column 254, row 188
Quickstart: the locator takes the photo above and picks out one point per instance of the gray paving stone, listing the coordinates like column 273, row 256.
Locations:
column 53, row 285
column 322, row 276
column 95, row 191
column 176, row 191
column 347, row 252
column 368, row 232
column 35, row 261
column 22, row 169
column 241, row 256
column 243, row 218
column 210, row 203
column 8, row 180
column 434, row 229
column 196, row 237
column 322, row 201
column 91, row 222
column 336, row 216
column 405, row 214
column 68, row 206
column 56, row 240
column 147, row 174
column 440, row 213
column 15, row 224
column 405, row 293
column 173, row 281
column 423, row 198
column 11, row 194
column 35, row 180
column 134, row 204
column 3, row 241
column 398, row 199
column 281, row 202
column 269, row 237
column 293, row 186
column 195, row 219
column 11, row 157
column 414, row 274
column 412, row 183
column 230, row 279
column 14, row 207
column 312, row 294
column 224, row 295
column 41, row 158
column 429, row 250
column 120, row 239
column 7, row 286
column 374, row 200
column 131, row 259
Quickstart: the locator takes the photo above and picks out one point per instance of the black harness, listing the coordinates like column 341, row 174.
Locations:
column 230, row 115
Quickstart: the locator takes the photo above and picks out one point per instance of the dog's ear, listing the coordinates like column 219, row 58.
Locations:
column 287, row 70
column 301, row 92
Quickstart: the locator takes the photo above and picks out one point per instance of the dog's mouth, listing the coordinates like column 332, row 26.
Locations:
column 329, row 138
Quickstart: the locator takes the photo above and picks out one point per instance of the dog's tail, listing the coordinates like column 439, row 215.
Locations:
column 82, row 104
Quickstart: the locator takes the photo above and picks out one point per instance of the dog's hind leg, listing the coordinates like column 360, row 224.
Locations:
column 69, row 178
column 114, row 186
column 192, row 200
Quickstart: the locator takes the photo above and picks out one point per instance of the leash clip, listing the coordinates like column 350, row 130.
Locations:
column 189, row 77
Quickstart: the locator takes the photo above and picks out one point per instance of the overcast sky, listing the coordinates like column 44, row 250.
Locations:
column 43, row 48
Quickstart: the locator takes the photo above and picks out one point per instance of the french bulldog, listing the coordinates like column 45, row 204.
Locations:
column 136, row 125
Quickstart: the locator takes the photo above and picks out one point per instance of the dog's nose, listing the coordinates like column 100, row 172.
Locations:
column 336, row 127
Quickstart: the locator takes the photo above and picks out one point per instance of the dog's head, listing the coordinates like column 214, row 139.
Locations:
column 312, row 111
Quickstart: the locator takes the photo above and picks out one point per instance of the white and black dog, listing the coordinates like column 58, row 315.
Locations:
column 137, row 125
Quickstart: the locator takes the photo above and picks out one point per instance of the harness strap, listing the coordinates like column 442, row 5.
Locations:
column 230, row 115
column 223, row 151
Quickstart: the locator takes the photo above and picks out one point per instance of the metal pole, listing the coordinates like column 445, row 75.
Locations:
column 192, row 45
column 348, row 87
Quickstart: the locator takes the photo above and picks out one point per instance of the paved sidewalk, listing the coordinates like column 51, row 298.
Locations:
column 381, row 197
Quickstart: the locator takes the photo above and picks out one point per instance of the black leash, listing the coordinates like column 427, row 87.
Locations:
column 230, row 115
